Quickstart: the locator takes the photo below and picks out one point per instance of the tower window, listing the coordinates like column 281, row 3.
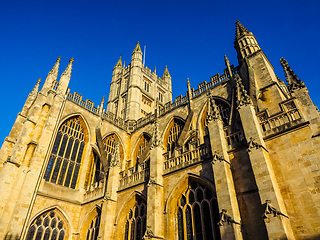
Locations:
column 160, row 96
column 146, row 86
column 65, row 160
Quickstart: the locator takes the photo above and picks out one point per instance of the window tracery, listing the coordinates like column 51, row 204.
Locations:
column 93, row 230
column 65, row 160
column 136, row 221
column 173, row 134
column 141, row 146
column 110, row 145
column 197, row 214
column 48, row 226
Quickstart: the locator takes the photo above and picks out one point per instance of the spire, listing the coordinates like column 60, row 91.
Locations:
column 67, row 72
column 166, row 73
column 137, row 48
column 51, row 77
column 241, row 30
column 35, row 88
column 119, row 63
column 54, row 71
column 101, row 106
column 65, row 78
column 245, row 42
column 294, row 83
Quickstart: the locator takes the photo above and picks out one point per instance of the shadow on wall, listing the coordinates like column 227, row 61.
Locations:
column 317, row 237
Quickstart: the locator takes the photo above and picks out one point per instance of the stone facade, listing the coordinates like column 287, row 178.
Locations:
column 236, row 158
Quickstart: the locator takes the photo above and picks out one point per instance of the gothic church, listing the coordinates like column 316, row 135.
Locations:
column 237, row 157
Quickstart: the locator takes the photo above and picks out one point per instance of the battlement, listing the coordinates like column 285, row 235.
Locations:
column 132, row 125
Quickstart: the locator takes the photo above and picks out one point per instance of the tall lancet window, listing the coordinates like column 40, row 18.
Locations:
column 136, row 221
column 65, row 160
column 197, row 214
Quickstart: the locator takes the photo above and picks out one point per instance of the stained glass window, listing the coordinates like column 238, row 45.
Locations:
column 64, row 162
column 136, row 221
column 48, row 226
column 197, row 214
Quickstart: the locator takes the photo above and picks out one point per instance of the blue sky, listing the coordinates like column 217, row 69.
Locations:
column 191, row 37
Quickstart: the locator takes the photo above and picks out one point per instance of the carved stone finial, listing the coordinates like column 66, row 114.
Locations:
column 102, row 102
column 243, row 98
column 270, row 210
column 213, row 112
column 225, row 218
column 115, row 160
column 294, row 83
column 156, row 141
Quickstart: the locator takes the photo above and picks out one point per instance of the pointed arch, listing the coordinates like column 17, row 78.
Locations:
column 84, row 121
column 224, row 107
column 128, row 204
column 131, row 220
column 67, row 152
column 90, row 226
column 109, row 141
column 172, row 132
column 49, row 223
column 140, row 146
column 192, row 202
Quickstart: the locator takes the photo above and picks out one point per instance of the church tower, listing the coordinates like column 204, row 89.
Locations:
column 134, row 89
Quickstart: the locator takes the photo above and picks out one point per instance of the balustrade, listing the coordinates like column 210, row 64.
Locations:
column 289, row 115
column 186, row 159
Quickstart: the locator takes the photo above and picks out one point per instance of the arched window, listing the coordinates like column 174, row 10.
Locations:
column 110, row 146
column 141, row 146
column 93, row 230
column 172, row 135
column 65, row 160
column 197, row 214
column 224, row 110
column 48, row 226
column 136, row 221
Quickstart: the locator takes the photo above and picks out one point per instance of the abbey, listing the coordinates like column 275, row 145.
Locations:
column 237, row 157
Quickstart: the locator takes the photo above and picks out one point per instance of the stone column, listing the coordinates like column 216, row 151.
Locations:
column 226, row 195
column 155, row 204
column 109, row 204
column 264, row 174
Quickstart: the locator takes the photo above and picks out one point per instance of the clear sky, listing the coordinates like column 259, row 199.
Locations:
column 191, row 37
